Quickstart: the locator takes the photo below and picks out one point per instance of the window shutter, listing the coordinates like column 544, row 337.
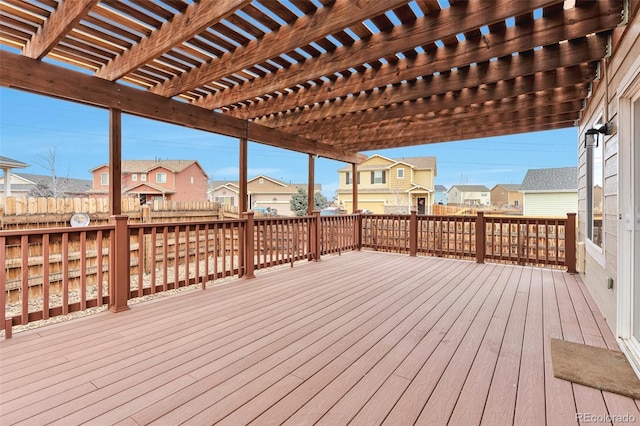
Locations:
column 372, row 177
column 384, row 173
column 346, row 180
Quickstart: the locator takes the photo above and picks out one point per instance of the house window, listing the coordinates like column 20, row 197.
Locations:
column 161, row 178
column 260, row 180
column 400, row 173
column 595, row 196
column 191, row 180
column 134, row 177
column 143, row 177
column 349, row 178
column 275, row 200
column 516, row 203
column 104, row 179
column 378, row 176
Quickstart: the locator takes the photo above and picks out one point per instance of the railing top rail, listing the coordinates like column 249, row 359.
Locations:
column 58, row 230
column 183, row 223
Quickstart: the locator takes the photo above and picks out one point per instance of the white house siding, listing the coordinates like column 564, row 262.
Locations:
column 545, row 204
column 601, row 264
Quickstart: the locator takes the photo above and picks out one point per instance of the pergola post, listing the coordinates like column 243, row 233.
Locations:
column 243, row 205
column 311, row 185
column 354, row 186
column 570, row 244
column 119, row 251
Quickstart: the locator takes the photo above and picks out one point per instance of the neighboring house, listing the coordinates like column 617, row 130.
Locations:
column 7, row 165
column 440, row 196
column 23, row 183
column 170, row 180
column 506, row 195
column 265, row 194
column 389, row 185
column 224, row 192
column 469, row 195
column 608, row 182
column 550, row 192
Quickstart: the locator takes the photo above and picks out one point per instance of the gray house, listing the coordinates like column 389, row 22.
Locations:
column 550, row 192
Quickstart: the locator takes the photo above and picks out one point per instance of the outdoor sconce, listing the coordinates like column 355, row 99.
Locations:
column 592, row 135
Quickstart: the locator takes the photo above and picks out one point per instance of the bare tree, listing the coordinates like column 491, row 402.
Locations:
column 48, row 161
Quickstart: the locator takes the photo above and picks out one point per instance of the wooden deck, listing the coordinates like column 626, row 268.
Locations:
column 363, row 338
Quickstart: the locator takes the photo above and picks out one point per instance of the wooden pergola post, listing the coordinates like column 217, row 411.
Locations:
column 354, row 186
column 311, row 185
column 570, row 244
column 242, row 204
column 119, row 250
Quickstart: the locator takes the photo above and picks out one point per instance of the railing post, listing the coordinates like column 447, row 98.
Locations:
column 249, row 257
column 317, row 233
column 570, row 243
column 481, row 238
column 413, row 233
column 119, row 265
column 358, row 231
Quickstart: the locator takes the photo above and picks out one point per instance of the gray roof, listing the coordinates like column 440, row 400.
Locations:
column 508, row 186
column 556, row 179
column 11, row 163
column 69, row 185
column 470, row 188
column 441, row 188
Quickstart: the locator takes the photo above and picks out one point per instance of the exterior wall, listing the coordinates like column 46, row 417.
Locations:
column 501, row 197
column 456, row 196
column 186, row 190
column 282, row 202
column 227, row 193
column 550, row 204
column 602, row 263
column 516, row 196
column 96, row 178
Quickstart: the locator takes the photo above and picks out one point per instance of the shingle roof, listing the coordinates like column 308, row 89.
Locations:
column 470, row 188
column 70, row 185
column 441, row 188
column 420, row 163
column 509, row 186
column 144, row 166
column 11, row 163
column 555, row 179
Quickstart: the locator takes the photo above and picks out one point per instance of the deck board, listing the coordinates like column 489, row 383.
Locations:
column 362, row 338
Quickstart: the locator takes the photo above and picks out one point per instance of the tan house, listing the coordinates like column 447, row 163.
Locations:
column 265, row 194
column 169, row 180
column 389, row 186
column 506, row 195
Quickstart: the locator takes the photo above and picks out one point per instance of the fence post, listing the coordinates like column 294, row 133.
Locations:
column 358, row 231
column 413, row 233
column 119, row 265
column 317, row 234
column 570, row 243
column 481, row 238
column 249, row 257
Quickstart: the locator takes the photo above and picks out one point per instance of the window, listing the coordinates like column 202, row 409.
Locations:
column 143, row 177
column 161, row 178
column 594, row 191
column 134, row 177
column 378, row 176
column 400, row 173
column 104, row 179
column 516, row 203
column 349, row 178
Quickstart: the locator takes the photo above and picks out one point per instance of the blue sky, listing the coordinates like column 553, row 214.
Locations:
column 31, row 125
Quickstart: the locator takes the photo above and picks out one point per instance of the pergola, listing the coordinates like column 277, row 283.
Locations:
column 327, row 78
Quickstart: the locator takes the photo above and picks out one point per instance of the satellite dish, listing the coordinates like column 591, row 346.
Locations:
column 79, row 219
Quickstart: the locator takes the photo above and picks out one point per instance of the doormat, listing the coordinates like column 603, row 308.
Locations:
column 598, row 368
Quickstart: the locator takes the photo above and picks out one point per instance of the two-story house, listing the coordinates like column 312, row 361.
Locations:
column 506, row 195
column 389, row 186
column 170, row 180
column 469, row 195
column 264, row 194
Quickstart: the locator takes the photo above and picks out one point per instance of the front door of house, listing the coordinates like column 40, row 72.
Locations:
column 422, row 203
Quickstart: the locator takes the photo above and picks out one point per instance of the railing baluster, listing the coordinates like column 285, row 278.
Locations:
column 45, row 277
column 83, row 270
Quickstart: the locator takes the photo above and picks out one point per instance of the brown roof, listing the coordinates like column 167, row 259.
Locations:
column 420, row 163
column 145, row 166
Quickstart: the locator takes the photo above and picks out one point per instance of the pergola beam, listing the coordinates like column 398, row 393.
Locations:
column 540, row 32
column 323, row 129
column 57, row 26
column 340, row 15
column 46, row 79
column 196, row 18
column 451, row 99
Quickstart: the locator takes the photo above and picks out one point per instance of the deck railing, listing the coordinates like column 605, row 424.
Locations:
column 51, row 272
